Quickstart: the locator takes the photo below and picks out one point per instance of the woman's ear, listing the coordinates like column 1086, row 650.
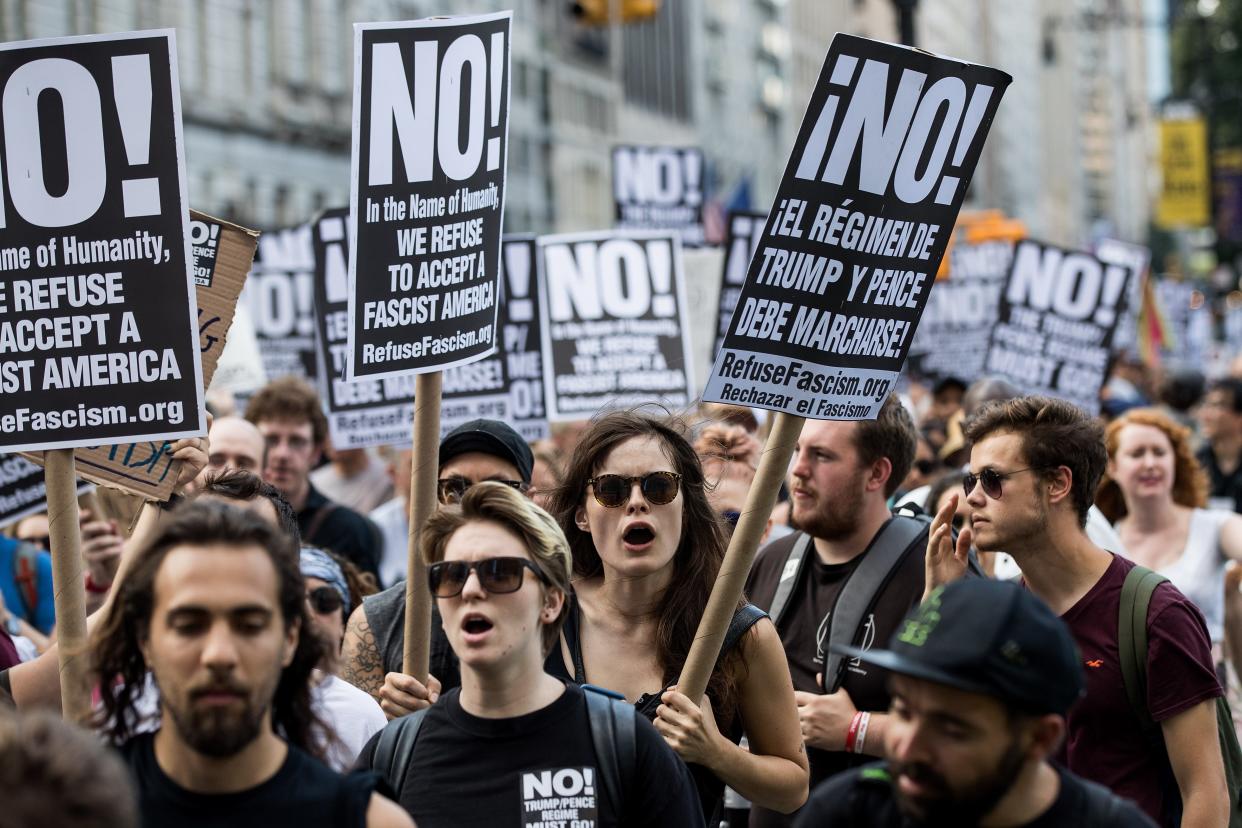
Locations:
column 580, row 519
column 553, row 603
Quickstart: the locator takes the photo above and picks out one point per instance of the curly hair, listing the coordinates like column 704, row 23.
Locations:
column 700, row 550
column 289, row 398
column 1190, row 482
column 117, row 643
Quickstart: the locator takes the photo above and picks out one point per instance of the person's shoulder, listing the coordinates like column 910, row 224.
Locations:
column 866, row 790
column 338, row 694
column 389, row 510
column 774, row 553
column 1094, row 801
column 386, row 598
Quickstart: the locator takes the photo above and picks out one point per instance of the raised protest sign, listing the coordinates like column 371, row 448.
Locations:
column 858, row 227
column 659, row 188
column 281, row 297
column 431, row 110
column 146, row 468
column 97, row 331
column 741, row 240
column 1136, row 258
column 22, row 489
column 1058, row 312
column 615, row 328
column 1189, row 319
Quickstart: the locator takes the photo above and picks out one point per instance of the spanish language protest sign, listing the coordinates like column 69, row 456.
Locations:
column 22, row 489
column 742, row 237
column 1058, row 312
column 431, row 109
column 98, row 342
column 281, row 297
column 858, row 227
column 659, row 188
column 615, row 328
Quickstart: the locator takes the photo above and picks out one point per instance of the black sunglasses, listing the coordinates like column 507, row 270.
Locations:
column 452, row 489
column 496, row 575
column 991, row 480
column 613, row 490
column 324, row 600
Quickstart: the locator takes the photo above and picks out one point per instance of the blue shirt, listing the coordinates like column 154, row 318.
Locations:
column 43, row 617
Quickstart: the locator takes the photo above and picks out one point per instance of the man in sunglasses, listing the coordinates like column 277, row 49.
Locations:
column 1035, row 463
column 375, row 635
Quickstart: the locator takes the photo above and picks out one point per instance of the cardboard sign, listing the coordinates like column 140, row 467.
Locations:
column 615, row 332
column 1058, row 312
column 97, row 334
column 431, row 118
column 741, row 240
column 281, row 297
column 860, row 222
column 146, row 468
column 22, row 490
column 659, row 188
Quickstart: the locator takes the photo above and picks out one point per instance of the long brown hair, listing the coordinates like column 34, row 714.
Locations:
column 700, row 550
column 1190, row 482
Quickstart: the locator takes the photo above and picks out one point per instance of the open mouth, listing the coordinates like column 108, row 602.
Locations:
column 638, row 535
column 476, row 624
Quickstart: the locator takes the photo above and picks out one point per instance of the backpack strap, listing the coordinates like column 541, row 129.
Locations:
column 612, row 721
column 1136, row 594
column 791, row 576
column 743, row 619
column 395, row 749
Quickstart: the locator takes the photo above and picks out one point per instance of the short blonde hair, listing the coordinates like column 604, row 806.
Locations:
column 503, row 505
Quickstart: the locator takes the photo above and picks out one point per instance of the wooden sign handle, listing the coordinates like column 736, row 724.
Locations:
column 424, row 472
column 68, row 583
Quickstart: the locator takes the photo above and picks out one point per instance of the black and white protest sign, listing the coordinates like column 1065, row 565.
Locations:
column 1189, row 322
column 280, row 293
column 659, row 188
column 953, row 335
column 1137, row 258
column 859, row 225
column 22, row 489
column 1058, row 312
column 205, row 243
column 98, row 338
column 431, row 110
column 741, row 240
column 561, row 797
column 615, row 328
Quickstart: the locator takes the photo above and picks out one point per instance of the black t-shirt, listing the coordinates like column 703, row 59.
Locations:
column 537, row 769
column 1223, row 485
column 303, row 792
column 342, row 530
column 803, row 631
column 864, row 798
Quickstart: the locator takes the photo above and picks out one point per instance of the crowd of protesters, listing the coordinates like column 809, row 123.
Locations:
column 952, row 620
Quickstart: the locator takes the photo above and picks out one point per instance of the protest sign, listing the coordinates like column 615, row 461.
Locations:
column 427, row 206
column 659, row 188
column 858, row 228
column 22, row 489
column 741, row 240
column 614, row 332
column 1058, row 312
column 97, row 333
column 146, row 468
column 280, row 295
column 240, row 367
column 1137, row 258
column 1189, row 319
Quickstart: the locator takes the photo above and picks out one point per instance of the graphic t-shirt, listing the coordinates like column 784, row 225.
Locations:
column 1105, row 741
column 534, row 770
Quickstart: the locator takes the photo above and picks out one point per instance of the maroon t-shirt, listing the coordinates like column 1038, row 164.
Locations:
column 1106, row 742
column 8, row 652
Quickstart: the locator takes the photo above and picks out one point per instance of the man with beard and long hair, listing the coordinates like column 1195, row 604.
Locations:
column 982, row 675
column 840, row 480
column 215, row 608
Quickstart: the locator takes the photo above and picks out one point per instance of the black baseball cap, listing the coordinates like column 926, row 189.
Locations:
column 490, row 437
column 988, row 637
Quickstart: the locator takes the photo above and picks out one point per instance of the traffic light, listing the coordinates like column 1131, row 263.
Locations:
column 599, row 12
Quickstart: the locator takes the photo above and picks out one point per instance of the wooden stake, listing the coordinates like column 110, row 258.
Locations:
column 424, row 471
column 67, row 580
column 773, row 465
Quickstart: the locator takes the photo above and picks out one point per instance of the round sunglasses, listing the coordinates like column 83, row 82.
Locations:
column 324, row 600
column 991, row 480
column 451, row 490
column 613, row 490
column 498, row 576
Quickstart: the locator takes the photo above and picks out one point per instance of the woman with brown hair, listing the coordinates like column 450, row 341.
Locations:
column 1154, row 492
column 646, row 550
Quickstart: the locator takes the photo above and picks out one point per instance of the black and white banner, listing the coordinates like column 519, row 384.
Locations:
column 205, row 244
column 22, row 490
column 280, row 292
column 1137, row 258
column 615, row 332
column 741, row 241
column 857, row 231
column 1058, row 312
column 659, row 188
column 431, row 113
column 953, row 335
column 98, row 329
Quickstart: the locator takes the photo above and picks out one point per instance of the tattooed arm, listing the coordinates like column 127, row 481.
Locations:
column 361, row 663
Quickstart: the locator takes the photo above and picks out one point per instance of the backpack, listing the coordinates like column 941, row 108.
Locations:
column 1136, row 594
column 610, row 717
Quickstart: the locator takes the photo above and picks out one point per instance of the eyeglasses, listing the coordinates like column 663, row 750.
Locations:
column 324, row 600
column 451, row 490
column 613, row 490
column 991, row 480
column 496, row 575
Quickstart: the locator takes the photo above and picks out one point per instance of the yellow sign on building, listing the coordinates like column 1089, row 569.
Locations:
column 1186, row 188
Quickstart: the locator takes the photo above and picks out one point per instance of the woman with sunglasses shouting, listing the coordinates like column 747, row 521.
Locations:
column 513, row 745
column 647, row 547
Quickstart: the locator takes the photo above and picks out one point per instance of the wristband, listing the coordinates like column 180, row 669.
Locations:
column 852, row 734
column 95, row 588
column 862, row 733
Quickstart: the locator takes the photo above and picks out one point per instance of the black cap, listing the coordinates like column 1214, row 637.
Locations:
column 490, row 437
column 989, row 637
